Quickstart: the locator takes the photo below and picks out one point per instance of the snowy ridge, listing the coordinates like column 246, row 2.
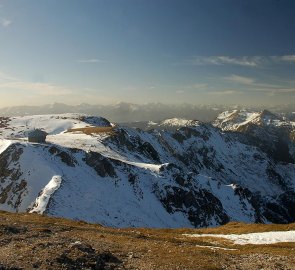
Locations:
column 178, row 122
column 52, row 124
column 171, row 124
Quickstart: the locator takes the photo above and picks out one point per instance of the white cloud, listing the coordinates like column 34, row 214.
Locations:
column 5, row 22
column 91, row 61
column 240, row 79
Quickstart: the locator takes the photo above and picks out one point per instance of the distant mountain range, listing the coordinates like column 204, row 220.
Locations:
column 171, row 173
column 127, row 112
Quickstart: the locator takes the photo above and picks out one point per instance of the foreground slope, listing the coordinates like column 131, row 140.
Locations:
column 194, row 176
column 63, row 244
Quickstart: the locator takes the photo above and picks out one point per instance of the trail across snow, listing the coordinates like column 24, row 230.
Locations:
column 254, row 238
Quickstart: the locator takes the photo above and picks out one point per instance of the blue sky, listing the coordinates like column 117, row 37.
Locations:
column 106, row 51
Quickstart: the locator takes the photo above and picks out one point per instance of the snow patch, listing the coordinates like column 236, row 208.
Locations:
column 4, row 144
column 215, row 247
column 42, row 201
column 263, row 238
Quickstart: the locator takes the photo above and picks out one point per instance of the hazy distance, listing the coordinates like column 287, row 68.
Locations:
column 129, row 112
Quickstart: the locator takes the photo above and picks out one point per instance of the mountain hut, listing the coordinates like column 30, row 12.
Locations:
column 37, row 136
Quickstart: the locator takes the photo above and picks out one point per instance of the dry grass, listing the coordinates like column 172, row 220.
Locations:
column 93, row 130
column 44, row 239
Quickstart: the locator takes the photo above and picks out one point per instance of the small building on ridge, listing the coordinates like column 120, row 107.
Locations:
column 37, row 136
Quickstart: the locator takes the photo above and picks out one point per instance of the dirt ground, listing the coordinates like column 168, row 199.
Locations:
column 31, row 241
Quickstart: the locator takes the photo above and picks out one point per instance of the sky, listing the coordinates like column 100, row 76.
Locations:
column 140, row 51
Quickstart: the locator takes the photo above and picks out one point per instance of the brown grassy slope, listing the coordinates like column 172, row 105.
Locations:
column 30, row 241
column 92, row 130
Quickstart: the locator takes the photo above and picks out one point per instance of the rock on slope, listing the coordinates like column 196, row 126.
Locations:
column 194, row 176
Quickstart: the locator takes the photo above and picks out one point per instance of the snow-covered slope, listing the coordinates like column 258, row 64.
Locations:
column 17, row 127
column 193, row 176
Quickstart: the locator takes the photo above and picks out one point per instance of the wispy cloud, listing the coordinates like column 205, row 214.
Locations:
column 247, row 61
column 283, row 91
column 91, row 61
column 179, row 92
column 6, row 77
column 225, row 92
column 199, row 86
column 240, row 79
column 8, row 82
column 284, row 58
column 5, row 22
column 252, row 85
column 43, row 89
column 243, row 61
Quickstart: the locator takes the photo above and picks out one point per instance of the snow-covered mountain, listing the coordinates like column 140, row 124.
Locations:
column 170, row 124
column 273, row 133
column 191, row 175
column 240, row 119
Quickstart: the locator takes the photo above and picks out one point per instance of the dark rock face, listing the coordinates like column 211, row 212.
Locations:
column 100, row 164
column 275, row 141
column 147, row 150
column 189, row 132
column 96, row 121
column 63, row 155
column 178, row 137
column 10, row 178
column 4, row 121
column 134, row 144
column 200, row 206
column 281, row 210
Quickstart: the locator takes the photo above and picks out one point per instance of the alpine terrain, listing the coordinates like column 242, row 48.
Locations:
column 177, row 173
